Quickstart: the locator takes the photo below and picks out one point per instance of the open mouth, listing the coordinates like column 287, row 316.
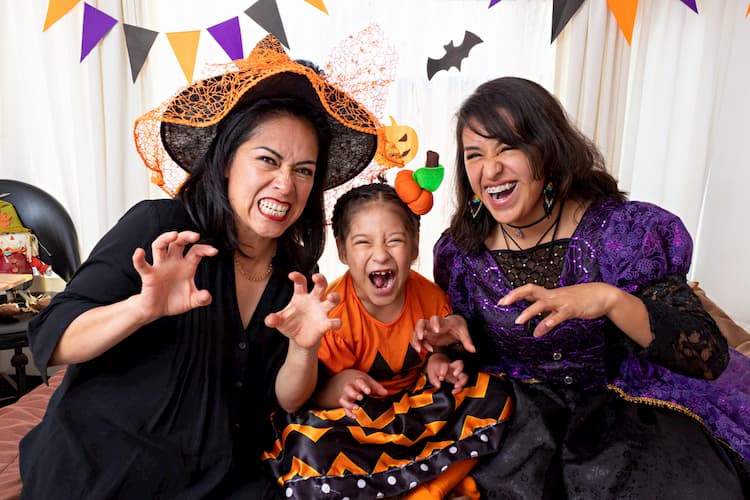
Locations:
column 382, row 280
column 273, row 209
column 501, row 192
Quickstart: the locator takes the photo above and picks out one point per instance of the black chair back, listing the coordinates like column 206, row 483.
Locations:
column 49, row 221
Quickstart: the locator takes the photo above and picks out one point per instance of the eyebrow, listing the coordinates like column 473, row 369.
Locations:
column 389, row 234
column 279, row 155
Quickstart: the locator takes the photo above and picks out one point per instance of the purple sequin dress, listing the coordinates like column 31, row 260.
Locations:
column 593, row 409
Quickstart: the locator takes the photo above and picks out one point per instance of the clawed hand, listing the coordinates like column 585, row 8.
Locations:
column 168, row 284
column 305, row 319
column 439, row 331
column 585, row 301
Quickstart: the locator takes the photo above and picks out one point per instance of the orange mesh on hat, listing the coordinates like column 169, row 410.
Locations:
column 364, row 64
column 175, row 135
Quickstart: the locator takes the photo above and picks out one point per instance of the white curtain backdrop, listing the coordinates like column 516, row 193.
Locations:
column 670, row 112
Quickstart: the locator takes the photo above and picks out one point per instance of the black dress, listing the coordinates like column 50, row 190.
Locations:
column 177, row 410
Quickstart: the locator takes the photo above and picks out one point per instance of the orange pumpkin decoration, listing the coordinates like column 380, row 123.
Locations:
column 419, row 200
column 397, row 144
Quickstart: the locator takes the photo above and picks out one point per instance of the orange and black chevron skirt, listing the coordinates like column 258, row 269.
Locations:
column 394, row 444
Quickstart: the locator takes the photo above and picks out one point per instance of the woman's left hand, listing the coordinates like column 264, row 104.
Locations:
column 305, row 319
column 584, row 301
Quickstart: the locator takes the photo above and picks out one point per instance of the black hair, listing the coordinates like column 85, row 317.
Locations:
column 347, row 205
column 523, row 114
column 204, row 193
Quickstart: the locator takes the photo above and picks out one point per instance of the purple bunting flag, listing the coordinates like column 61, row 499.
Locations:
column 228, row 35
column 96, row 24
column 492, row 3
column 691, row 4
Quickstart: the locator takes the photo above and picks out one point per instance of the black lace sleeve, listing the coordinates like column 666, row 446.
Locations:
column 686, row 338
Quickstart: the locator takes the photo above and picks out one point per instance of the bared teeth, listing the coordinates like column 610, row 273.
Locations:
column 381, row 279
column 273, row 208
column 501, row 188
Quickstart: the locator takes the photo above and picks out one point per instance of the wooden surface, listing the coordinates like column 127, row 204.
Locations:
column 8, row 281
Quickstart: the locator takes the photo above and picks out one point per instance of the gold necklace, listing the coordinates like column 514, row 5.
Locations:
column 253, row 277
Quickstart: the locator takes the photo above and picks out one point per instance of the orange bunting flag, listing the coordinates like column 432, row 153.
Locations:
column 185, row 47
column 748, row 10
column 318, row 4
column 624, row 12
column 57, row 9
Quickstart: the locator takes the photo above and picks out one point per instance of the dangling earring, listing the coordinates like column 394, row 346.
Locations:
column 475, row 205
column 548, row 198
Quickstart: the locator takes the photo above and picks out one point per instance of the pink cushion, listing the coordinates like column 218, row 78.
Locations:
column 16, row 420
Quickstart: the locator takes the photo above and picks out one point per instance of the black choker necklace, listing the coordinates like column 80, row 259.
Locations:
column 519, row 234
column 552, row 227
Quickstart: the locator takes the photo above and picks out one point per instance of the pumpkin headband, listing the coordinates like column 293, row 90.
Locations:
column 416, row 188
column 176, row 135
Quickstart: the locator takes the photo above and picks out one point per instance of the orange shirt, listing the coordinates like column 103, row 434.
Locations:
column 380, row 349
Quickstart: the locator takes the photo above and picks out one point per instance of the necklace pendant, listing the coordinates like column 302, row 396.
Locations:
column 519, row 234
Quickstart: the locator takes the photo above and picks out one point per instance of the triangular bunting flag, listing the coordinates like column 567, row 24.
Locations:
column 318, row 4
column 138, row 41
column 562, row 12
column 266, row 14
column 624, row 11
column 228, row 35
column 185, row 47
column 748, row 10
column 493, row 2
column 96, row 24
column 56, row 9
column 691, row 4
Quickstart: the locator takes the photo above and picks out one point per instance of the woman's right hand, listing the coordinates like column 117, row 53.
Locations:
column 168, row 284
column 439, row 331
column 168, row 288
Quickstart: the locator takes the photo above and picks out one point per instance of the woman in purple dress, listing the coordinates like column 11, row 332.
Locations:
column 624, row 386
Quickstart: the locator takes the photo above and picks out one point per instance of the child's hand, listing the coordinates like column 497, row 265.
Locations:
column 440, row 368
column 439, row 331
column 305, row 319
column 352, row 386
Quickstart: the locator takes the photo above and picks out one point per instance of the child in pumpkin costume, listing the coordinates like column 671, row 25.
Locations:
column 388, row 427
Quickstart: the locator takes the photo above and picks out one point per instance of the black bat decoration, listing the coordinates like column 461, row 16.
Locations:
column 453, row 55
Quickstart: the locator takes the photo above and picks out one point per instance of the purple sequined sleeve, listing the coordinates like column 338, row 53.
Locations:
column 641, row 243
column 646, row 251
column 450, row 274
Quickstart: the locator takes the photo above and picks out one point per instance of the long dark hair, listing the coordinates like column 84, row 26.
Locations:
column 204, row 193
column 523, row 114
column 347, row 205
